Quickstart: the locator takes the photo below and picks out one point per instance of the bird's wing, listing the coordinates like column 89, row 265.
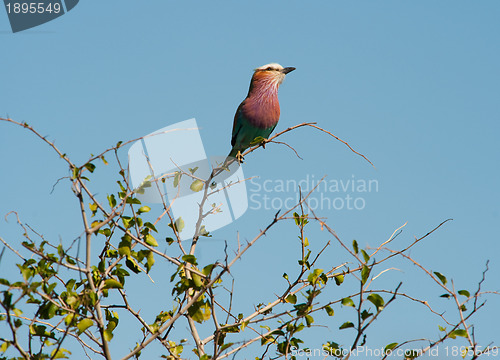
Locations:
column 272, row 129
column 236, row 124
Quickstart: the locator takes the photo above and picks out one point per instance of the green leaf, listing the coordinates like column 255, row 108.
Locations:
column 365, row 273
column 124, row 246
column 127, row 221
column 112, row 284
column 150, row 226
column 331, row 347
column 411, row 354
column 302, row 309
column 365, row 256
column 306, row 241
column 90, row 167
column 60, row 354
column 47, row 310
column 207, row 270
column 301, row 220
column 190, row 259
column 447, row 296
column 197, row 280
column 169, row 240
column 108, row 335
column 106, row 232
column 199, row 311
column 464, row 293
column 441, row 328
column 60, row 251
column 296, row 218
column 225, row 346
column 93, row 208
column 365, row 315
column 176, row 350
column 244, row 324
column 38, row 330
column 146, row 183
column 25, row 271
column 329, row 310
column 121, row 186
column 150, row 262
column 177, row 178
column 143, row 209
column 41, row 331
column 292, row 299
column 84, row 324
column 178, row 225
column 309, row 320
column 346, row 325
column 197, row 185
column 389, row 347
column 111, row 201
column 376, row 300
column 131, row 200
column 4, row 346
column 441, row 277
column 132, row 265
column 68, row 320
column 355, row 246
column 204, row 232
column 313, row 276
column 93, row 298
column 339, row 279
column 150, row 240
column 348, row 302
column 458, row 332
column 75, row 172
column 266, row 340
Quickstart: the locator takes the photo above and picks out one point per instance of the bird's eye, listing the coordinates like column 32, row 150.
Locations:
column 269, row 68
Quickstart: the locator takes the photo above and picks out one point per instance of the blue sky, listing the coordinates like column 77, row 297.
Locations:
column 412, row 85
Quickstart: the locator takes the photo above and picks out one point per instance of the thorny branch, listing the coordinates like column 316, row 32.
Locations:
column 282, row 318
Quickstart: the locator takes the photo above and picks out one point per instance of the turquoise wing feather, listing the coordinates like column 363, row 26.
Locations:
column 244, row 133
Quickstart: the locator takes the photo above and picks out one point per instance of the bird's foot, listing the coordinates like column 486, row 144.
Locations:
column 239, row 157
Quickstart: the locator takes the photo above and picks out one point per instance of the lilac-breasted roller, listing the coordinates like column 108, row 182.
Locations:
column 259, row 113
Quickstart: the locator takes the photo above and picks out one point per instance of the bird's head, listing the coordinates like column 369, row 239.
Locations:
column 273, row 73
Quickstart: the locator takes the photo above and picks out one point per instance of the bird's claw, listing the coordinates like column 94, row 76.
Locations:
column 239, row 157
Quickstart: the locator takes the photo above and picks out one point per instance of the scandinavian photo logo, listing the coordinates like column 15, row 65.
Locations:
column 170, row 167
column 26, row 14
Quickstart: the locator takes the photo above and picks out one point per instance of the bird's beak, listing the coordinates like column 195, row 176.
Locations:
column 287, row 70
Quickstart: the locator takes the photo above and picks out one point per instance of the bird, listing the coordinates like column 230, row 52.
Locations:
column 259, row 113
